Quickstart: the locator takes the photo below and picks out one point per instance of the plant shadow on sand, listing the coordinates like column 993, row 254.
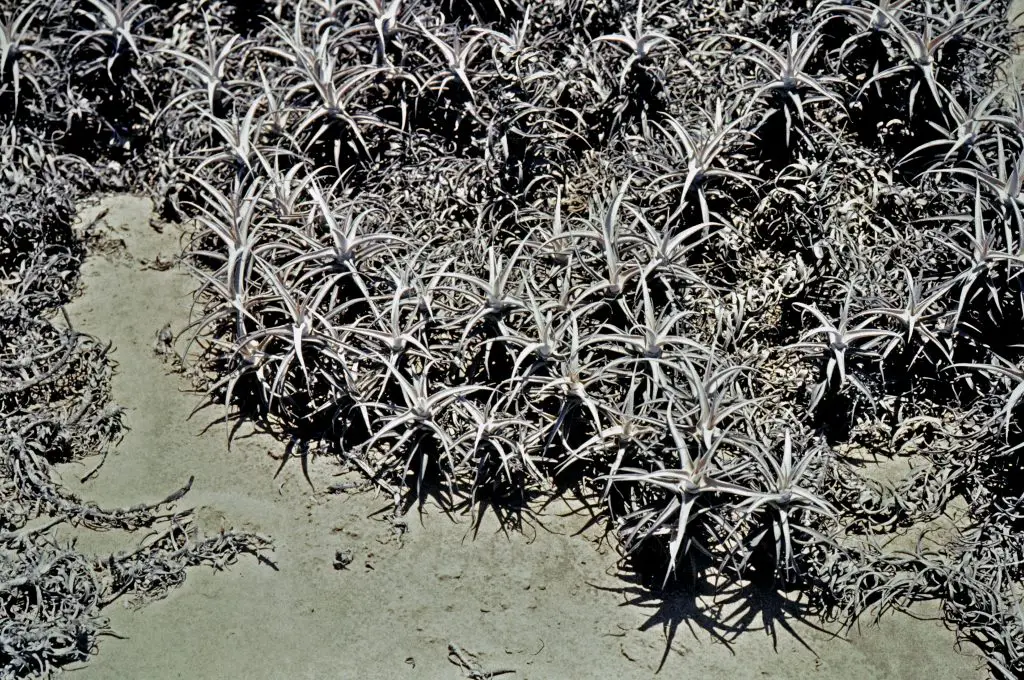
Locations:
column 722, row 613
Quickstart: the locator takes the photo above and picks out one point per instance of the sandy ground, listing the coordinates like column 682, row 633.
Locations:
column 546, row 602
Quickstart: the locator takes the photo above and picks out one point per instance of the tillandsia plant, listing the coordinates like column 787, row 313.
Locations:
column 208, row 74
column 385, row 20
column 922, row 51
column 965, row 134
column 694, row 158
column 21, row 50
column 686, row 491
column 643, row 75
column 838, row 343
column 617, row 274
column 114, row 33
column 415, row 421
column 789, row 81
column 786, row 516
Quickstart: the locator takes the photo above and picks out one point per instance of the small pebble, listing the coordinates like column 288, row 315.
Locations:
column 342, row 558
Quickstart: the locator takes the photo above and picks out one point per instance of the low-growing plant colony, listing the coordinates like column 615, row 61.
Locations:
column 718, row 267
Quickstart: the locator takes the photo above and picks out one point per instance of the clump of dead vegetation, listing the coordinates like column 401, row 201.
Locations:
column 695, row 262
column 54, row 403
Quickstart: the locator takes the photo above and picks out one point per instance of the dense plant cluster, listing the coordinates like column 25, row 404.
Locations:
column 695, row 261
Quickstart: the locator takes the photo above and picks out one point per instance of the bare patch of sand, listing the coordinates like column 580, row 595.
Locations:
column 545, row 602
